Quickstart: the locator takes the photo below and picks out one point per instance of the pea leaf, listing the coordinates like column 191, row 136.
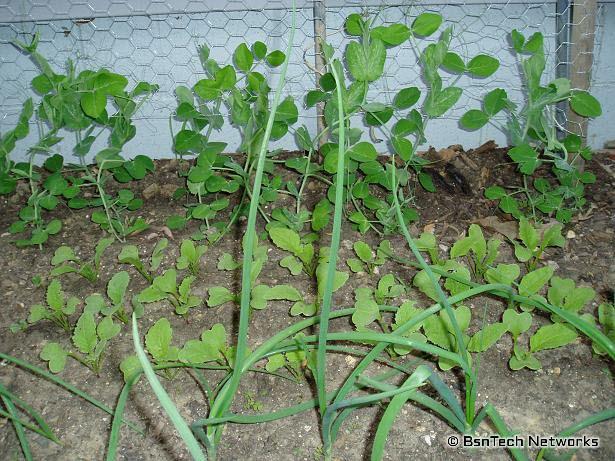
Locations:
column 363, row 152
column 495, row 101
column 483, row 65
column 259, row 49
column 526, row 157
column 438, row 103
column 243, row 57
column 354, row 24
column 93, row 103
column 426, row 24
column 392, row 35
column 366, row 64
column 585, row 104
column 406, row 98
column 474, row 119
column 453, row 63
column 275, row 58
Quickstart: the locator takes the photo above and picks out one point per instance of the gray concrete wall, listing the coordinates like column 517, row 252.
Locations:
column 156, row 41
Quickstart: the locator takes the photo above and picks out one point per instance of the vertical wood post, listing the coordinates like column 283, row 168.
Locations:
column 583, row 26
column 320, row 37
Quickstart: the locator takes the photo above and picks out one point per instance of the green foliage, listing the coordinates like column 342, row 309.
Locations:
column 368, row 260
column 57, row 309
column 78, row 103
column 532, row 130
column 531, row 243
column 8, row 141
column 308, row 307
column 116, row 293
column 483, row 253
column 388, row 288
column 365, row 57
column 65, row 261
column 165, row 287
column 243, row 89
column 190, row 256
column 90, row 340
column 547, row 337
column 302, row 254
column 366, row 308
column 130, row 255
column 565, row 294
column 606, row 319
column 211, row 347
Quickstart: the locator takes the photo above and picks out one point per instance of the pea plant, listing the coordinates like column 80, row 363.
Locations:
column 8, row 141
column 243, row 90
column 532, row 128
column 365, row 57
column 411, row 323
column 77, row 102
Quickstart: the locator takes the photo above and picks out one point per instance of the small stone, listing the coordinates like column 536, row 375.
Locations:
column 350, row 360
column 557, row 370
column 570, row 234
column 168, row 190
column 151, row 191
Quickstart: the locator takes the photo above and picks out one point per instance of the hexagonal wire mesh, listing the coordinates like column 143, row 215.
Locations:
column 156, row 41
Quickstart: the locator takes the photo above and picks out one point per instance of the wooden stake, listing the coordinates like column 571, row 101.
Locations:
column 583, row 30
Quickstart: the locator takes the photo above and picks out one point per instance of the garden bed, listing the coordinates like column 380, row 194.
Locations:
column 572, row 384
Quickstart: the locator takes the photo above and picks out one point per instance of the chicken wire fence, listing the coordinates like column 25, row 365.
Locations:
column 156, row 41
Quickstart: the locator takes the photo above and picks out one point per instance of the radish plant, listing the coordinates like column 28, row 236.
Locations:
column 66, row 262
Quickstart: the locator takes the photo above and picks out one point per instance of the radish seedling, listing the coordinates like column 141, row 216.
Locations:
column 65, row 261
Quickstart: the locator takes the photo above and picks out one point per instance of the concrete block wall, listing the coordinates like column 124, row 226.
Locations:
column 156, row 41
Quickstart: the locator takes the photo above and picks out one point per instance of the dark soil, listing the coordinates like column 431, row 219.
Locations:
column 572, row 384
